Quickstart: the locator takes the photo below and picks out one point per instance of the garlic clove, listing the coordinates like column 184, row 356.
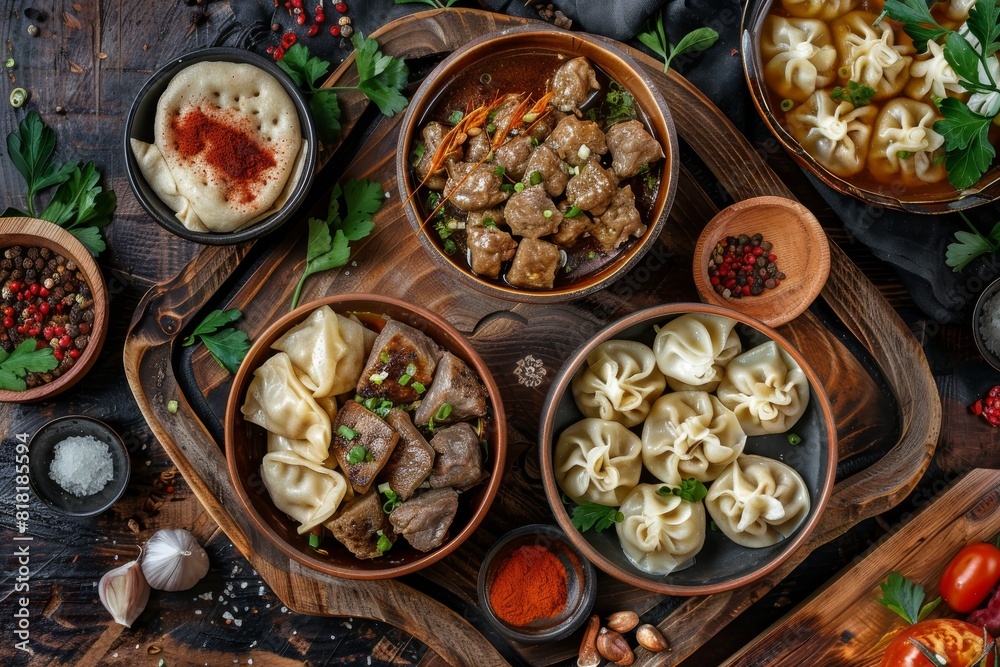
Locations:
column 124, row 592
column 174, row 561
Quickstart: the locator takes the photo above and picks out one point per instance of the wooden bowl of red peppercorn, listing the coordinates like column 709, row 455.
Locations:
column 55, row 296
column 767, row 257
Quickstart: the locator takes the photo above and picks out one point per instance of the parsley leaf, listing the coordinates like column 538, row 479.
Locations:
column 226, row 344
column 984, row 24
column 359, row 454
column 214, row 321
column 690, row 490
column 655, row 37
column 30, row 148
column 23, row 360
column 905, row 598
column 917, row 21
column 589, row 515
column 856, row 93
column 968, row 151
column 380, row 77
column 970, row 245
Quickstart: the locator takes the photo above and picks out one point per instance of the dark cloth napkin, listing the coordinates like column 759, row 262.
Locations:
column 913, row 244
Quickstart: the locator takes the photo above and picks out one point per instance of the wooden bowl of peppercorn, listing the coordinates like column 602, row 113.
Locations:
column 52, row 291
column 767, row 257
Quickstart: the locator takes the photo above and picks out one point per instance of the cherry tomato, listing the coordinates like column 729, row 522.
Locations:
column 970, row 576
column 958, row 642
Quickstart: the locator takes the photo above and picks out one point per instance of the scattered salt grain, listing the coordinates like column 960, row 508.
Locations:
column 989, row 323
column 82, row 465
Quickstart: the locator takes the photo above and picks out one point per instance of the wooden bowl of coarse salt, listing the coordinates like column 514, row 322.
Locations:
column 986, row 324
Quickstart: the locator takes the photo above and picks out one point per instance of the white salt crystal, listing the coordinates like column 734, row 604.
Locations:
column 989, row 323
column 82, row 465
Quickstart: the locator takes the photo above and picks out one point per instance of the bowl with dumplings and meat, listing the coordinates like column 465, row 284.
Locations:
column 873, row 107
column 364, row 436
column 687, row 449
column 537, row 164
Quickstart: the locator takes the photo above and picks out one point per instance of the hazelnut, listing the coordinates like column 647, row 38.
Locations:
column 588, row 656
column 650, row 638
column 613, row 647
column 623, row 621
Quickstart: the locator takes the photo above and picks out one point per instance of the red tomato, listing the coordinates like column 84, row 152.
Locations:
column 970, row 576
column 958, row 642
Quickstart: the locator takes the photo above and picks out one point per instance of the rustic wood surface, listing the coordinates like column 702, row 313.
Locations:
column 88, row 61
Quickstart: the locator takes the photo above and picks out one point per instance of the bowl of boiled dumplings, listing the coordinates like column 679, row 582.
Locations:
column 854, row 102
column 364, row 436
column 687, row 449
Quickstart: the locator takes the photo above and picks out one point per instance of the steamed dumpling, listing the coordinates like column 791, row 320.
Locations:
column 304, row 490
column 905, row 145
column 598, row 461
column 766, row 389
column 930, row 74
column 836, row 134
column 328, row 349
column 818, row 9
column 304, row 448
column 870, row 55
column 690, row 434
column 278, row 401
column 758, row 501
column 692, row 350
column 799, row 56
column 619, row 382
column 660, row 532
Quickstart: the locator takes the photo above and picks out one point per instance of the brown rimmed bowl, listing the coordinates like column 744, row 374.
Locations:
column 543, row 40
column 895, row 196
column 722, row 564
column 246, row 445
column 29, row 232
column 799, row 242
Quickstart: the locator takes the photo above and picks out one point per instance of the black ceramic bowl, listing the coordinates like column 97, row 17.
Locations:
column 581, row 584
column 139, row 125
column 977, row 318
column 41, row 451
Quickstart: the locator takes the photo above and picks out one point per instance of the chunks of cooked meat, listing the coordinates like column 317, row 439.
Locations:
column 472, row 187
column 632, row 147
column 396, row 349
column 551, row 169
column 424, row 520
column 505, row 113
column 593, row 188
column 458, row 386
column 357, row 524
column 513, row 156
column 570, row 137
column 489, row 248
column 619, row 221
column 531, row 214
column 570, row 229
column 477, row 147
column 535, row 264
column 432, row 134
column 459, row 460
column 412, row 459
column 482, row 218
column 368, row 431
column 573, row 84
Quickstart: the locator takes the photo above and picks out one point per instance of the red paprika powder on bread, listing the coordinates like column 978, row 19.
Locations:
column 529, row 585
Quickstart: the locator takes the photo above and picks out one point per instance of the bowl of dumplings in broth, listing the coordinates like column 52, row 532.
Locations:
column 687, row 449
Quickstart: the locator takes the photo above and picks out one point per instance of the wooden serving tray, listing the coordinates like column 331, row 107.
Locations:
column 864, row 354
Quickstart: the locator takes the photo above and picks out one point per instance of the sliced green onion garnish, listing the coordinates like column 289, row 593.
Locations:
column 384, row 357
column 794, row 439
column 313, row 540
column 418, row 387
column 535, row 178
column 500, row 170
column 404, row 379
column 519, row 187
column 786, row 105
column 347, row 432
column 573, row 212
column 443, row 412
column 546, row 213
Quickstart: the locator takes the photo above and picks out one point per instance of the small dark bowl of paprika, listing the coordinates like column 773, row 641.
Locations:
column 535, row 586
column 140, row 123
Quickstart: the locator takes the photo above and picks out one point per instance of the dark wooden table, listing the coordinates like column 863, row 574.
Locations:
column 82, row 72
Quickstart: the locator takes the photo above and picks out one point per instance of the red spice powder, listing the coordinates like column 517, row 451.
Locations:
column 228, row 150
column 530, row 584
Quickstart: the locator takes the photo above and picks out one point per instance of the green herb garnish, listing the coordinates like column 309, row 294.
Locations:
column 519, row 187
column 489, row 223
column 392, row 499
column 535, row 177
column 347, row 432
column 378, row 378
column 379, row 406
column 384, row 543
column 856, row 93
column 456, row 117
column 591, row 255
column 314, row 540
column 418, row 154
column 573, row 212
column 589, row 515
column 507, row 187
column 23, row 360
column 404, row 379
column 904, row 155
column 384, row 357
column 690, row 490
column 500, row 170
column 905, row 598
column 619, row 105
column 172, row 407
column 547, row 213
column 970, row 245
column 443, row 412
column 786, row 105
column 418, row 387
column 226, row 344
column 794, row 439
column 359, row 454
column 655, row 37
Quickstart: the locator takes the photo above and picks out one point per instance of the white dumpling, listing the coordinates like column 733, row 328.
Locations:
column 304, row 490
column 870, row 55
column 597, row 461
column 931, row 75
column 328, row 349
column 618, row 382
column 304, row 448
column 835, row 134
column 660, row 533
column 905, row 146
column 690, row 434
column 958, row 10
column 818, row 9
column 692, row 350
column 766, row 389
column 756, row 502
column 799, row 56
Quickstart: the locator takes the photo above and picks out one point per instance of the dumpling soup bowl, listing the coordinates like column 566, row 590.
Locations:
column 808, row 447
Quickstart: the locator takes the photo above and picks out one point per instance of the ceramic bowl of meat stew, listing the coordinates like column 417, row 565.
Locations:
column 879, row 143
column 538, row 165
column 365, row 437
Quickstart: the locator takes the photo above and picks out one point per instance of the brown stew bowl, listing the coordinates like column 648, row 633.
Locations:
column 246, row 444
column 986, row 190
column 28, row 232
column 545, row 40
column 721, row 565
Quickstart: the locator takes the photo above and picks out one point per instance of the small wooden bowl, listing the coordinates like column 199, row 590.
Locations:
column 799, row 242
column 28, row 232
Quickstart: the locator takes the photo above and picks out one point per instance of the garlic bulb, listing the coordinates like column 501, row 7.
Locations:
column 124, row 592
column 174, row 560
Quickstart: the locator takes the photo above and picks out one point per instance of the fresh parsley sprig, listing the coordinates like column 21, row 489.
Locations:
column 655, row 37
column 329, row 240
column 690, row 490
column 23, row 360
column 226, row 344
column 970, row 245
column 589, row 515
column 905, row 598
column 856, row 93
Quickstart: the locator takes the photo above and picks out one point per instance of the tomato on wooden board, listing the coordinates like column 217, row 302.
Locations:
column 958, row 642
column 970, row 576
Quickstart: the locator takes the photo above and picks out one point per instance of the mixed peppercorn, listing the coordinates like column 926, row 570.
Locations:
column 342, row 28
column 45, row 297
column 988, row 407
column 742, row 266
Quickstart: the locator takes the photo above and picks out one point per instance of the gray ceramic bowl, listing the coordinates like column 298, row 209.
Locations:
column 977, row 314
column 41, row 451
column 139, row 125
column 581, row 584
